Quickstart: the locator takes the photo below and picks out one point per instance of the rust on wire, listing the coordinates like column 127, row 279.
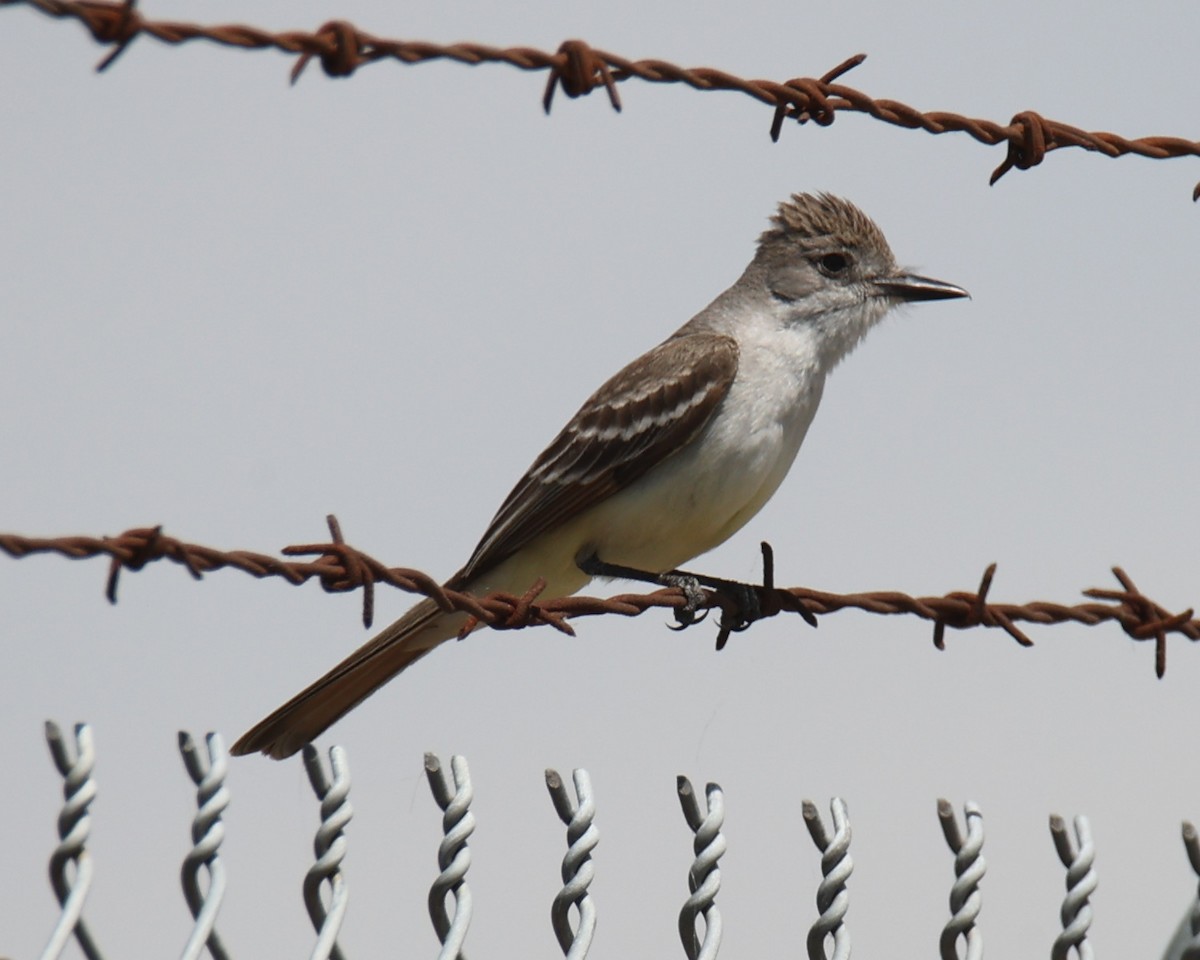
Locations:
column 976, row 613
column 1151, row 620
column 342, row 53
column 340, row 568
column 578, row 68
column 581, row 70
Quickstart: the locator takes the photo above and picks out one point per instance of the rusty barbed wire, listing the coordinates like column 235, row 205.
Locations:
column 578, row 69
column 340, row 568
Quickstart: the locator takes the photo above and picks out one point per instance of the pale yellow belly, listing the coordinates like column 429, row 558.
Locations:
column 688, row 505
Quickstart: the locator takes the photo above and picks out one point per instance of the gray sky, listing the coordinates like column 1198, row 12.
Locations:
column 233, row 307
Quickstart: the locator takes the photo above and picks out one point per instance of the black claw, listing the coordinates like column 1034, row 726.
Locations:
column 694, row 597
column 743, row 611
column 685, row 618
column 740, row 602
column 736, row 626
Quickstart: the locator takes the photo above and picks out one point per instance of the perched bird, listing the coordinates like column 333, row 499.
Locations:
column 671, row 456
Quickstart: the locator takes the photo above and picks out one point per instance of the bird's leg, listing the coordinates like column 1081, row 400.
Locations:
column 744, row 595
column 685, row 616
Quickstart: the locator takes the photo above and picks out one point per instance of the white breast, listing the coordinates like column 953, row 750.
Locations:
column 699, row 497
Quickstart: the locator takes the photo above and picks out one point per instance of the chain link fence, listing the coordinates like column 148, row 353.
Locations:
column 573, row 910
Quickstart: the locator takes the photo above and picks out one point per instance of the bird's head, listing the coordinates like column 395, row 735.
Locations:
column 827, row 264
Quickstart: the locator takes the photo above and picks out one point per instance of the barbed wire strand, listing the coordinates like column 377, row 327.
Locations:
column 969, row 868
column 329, row 846
column 75, row 764
column 1078, row 855
column 578, row 68
column 833, row 899
column 208, row 831
column 454, row 856
column 339, row 567
column 704, row 875
column 577, row 868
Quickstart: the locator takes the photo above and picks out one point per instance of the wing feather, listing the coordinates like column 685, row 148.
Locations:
column 641, row 416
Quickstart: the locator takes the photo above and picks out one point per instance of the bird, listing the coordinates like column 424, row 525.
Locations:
column 669, row 457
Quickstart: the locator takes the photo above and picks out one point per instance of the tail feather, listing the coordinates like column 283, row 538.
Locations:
column 323, row 702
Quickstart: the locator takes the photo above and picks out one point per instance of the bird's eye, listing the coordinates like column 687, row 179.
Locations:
column 833, row 263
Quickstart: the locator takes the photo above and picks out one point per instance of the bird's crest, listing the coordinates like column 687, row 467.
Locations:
column 821, row 220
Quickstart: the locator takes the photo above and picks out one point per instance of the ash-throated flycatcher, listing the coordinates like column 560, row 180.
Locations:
column 668, row 458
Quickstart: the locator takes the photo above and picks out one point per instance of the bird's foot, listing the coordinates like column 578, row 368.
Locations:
column 742, row 612
column 693, row 596
column 740, row 603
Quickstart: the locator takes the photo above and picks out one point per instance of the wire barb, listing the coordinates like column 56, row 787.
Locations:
column 208, row 831
column 975, row 613
column 969, row 868
column 329, row 845
column 577, row 867
column 341, row 54
column 822, row 115
column 1144, row 618
column 579, row 68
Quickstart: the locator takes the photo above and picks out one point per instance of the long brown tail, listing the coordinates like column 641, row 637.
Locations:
column 322, row 703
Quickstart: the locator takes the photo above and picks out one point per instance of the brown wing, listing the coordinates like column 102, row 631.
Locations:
column 635, row 421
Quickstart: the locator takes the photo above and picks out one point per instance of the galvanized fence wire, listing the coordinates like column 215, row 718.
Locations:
column 969, row 868
column 1191, row 923
column 577, row 867
column 833, row 899
column 1078, row 854
column 208, row 831
column 577, row 69
column 704, row 877
column 71, row 866
column 339, row 568
column 329, row 845
column 454, row 856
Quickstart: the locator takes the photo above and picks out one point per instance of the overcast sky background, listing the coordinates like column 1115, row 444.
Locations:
column 231, row 308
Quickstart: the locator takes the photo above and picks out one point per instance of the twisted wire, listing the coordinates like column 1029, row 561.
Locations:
column 577, row 867
column 1077, row 854
column 704, row 876
column 329, row 845
column 212, row 797
column 1191, row 844
column 577, row 68
column 339, row 567
column 454, row 856
column 74, row 826
column 836, row 866
column 969, row 868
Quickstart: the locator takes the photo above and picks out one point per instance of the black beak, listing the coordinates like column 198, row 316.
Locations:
column 910, row 287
